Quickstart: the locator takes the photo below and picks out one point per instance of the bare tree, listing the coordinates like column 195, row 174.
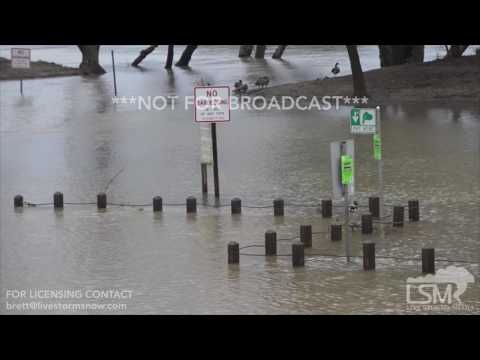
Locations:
column 401, row 54
column 90, row 64
column 143, row 54
column 279, row 52
column 260, row 51
column 359, row 88
column 245, row 51
column 456, row 51
column 186, row 55
column 170, row 52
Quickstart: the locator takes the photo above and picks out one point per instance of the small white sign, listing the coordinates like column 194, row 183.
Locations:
column 20, row 58
column 212, row 103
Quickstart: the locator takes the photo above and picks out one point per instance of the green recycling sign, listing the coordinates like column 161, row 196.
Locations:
column 363, row 121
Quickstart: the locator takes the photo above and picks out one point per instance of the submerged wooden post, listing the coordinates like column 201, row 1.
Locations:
column 191, row 205
column 278, row 207
column 374, row 206
column 413, row 210
column 336, row 232
column 58, row 200
column 298, row 254
column 367, row 224
column 102, row 201
column 18, row 201
column 157, row 204
column 327, row 208
column 233, row 253
column 236, row 206
column 369, row 256
column 270, row 243
column 428, row 261
column 306, row 235
column 398, row 215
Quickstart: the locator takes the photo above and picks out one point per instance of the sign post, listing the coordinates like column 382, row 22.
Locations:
column 114, row 74
column 342, row 154
column 377, row 143
column 367, row 121
column 212, row 105
column 20, row 59
column 346, row 165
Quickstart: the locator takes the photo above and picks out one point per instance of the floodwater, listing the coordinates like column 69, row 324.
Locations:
column 66, row 135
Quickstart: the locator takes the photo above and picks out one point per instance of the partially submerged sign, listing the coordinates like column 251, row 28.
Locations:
column 20, row 58
column 206, row 144
column 212, row 103
column 363, row 121
column 342, row 171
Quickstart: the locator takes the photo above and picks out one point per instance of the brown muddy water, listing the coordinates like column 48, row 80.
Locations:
column 66, row 135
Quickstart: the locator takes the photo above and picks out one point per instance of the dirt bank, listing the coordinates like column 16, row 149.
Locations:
column 38, row 69
column 436, row 81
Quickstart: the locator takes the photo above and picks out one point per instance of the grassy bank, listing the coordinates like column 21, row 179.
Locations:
column 436, row 81
column 38, row 69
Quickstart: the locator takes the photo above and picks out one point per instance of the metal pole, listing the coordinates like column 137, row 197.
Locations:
column 21, row 87
column 343, row 151
column 380, row 164
column 215, row 160
column 114, row 75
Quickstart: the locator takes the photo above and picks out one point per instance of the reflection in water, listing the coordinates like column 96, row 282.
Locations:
column 66, row 137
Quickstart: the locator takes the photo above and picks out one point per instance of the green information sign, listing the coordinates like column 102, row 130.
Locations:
column 347, row 169
column 377, row 147
column 363, row 121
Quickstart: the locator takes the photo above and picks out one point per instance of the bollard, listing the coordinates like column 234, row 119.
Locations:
column 336, row 232
column 58, row 200
column 298, row 254
column 233, row 253
column 102, row 201
column 428, row 261
column 306, row 235
column 327, row 208
column 236, row 205
column 278, row 207
column 369, row 256
column 157, row 204
column 270, row 243
column 398, row 213
column 374, row 206
column 367, row 224
column 191, row 205
column 413, row 210
column 18, row 201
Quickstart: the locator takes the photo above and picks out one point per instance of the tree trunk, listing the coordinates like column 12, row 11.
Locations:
column 186, row 55
column 359, row 88
column 456, row 50
column 279, row 51
column 168, row 64
column 260, row 51
column 143, row 54
column 90, row 60
column 245, row 51
column 401, row 54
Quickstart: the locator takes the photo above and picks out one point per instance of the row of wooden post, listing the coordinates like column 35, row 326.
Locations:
column 278, row 209
column 298, row 251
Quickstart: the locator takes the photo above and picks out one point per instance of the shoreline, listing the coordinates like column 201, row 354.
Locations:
column 435, row 82
column 38, row 70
